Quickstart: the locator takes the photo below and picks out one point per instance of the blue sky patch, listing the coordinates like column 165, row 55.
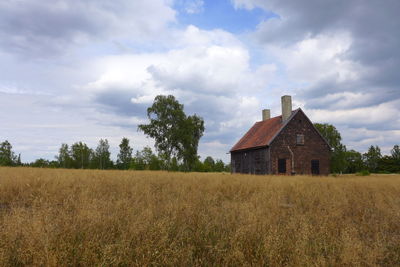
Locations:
column 221, row 14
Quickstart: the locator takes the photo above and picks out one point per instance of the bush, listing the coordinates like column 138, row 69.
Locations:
column 363, row 173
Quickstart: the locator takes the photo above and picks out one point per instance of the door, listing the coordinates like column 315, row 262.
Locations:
column 315, row 167
column 281, row 165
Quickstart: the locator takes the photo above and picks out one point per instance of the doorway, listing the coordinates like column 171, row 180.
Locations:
column 315, row 167
column 281, row 165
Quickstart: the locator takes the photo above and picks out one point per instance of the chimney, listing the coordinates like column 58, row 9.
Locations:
column 286, row 107
column 266, row 114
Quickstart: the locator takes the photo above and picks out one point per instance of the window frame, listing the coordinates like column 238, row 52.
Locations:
column 301, row 143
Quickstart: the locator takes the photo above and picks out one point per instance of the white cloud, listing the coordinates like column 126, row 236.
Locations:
column 385, row 113
column 315, row 59
column 212, row 77
column 194, row 6
column 337, row 59
column 360, row 139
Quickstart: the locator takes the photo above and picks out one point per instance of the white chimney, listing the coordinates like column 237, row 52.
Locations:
column 266, row 114
column 286, row 107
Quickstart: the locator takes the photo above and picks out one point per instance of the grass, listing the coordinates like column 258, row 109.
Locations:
column 127, row 218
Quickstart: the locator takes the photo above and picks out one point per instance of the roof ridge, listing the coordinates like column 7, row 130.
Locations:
column 262, row 133
column 295, row 110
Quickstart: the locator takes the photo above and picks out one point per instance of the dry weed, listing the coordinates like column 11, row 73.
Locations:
column 127, row 218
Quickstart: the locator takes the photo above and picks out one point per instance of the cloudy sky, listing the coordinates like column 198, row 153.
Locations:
column 81, row 70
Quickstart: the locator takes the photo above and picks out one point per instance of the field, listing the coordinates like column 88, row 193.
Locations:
column 107, row 218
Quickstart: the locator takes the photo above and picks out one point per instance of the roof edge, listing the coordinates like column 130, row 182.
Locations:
column 249, row 148
column 315, row 128
column 241, row 138
column 290, row 118
column 284, row 125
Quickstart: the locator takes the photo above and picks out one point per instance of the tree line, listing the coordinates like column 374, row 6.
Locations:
column 176, row 137
column 80, row 156
column 351, row 161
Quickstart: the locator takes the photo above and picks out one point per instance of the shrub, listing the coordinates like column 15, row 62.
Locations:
column 363, row 173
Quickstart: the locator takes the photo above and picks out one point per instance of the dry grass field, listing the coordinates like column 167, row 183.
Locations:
column 127, row 218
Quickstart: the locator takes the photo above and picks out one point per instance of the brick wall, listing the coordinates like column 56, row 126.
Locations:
column 314, row 147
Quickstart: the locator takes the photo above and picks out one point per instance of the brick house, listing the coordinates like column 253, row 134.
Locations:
column 287, row 144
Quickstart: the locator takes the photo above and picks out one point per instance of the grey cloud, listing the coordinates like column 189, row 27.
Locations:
column 119, row 102
column 40, row 29
column 193, row 81
column 373, row 26
column 44, row 28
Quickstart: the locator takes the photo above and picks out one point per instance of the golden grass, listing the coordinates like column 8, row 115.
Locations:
column 127, row 218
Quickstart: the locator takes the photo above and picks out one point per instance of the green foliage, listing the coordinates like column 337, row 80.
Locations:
column 19, row 163
column 175, row 134
column 64, row 157
column 363, row 173
column 40, row 163
column 44, row 163
column 388, row 164
column 372, row 158
column 333, row 137
column 395, row 152
column 101, row 157
column 395, row 162
column 166, row 116
column 219, row 166
column 125, row 154
column 209, row 164
column 81, row 155
column 146, row 160
column 174, row 165
column 7, row 156
column 190, row 134
column 354, row 161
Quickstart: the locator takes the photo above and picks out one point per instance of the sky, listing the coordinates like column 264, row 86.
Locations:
column 83, row 70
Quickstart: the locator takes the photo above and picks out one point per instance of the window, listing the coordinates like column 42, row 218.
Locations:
column 300, row 139
column 282, row 165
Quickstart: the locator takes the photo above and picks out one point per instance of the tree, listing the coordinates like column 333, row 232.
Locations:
column 395, row 152
column 175, row 134
column 81, row 155
column 125, row 154
column 64, row 158
column 219, row 166
column 101, row 156
column 198, row 166
column 40, row 163
column 354, row 162
column 7, row 156
column 208, row 164
column 146, row 160
column 190, row 134
column 396, row 157
column 388, row 164
column 372, row 158
column 333, row 137
column 137, row 162
column 19, row 163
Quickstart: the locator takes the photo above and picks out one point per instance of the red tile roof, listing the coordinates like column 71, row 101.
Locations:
column 261, row 134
